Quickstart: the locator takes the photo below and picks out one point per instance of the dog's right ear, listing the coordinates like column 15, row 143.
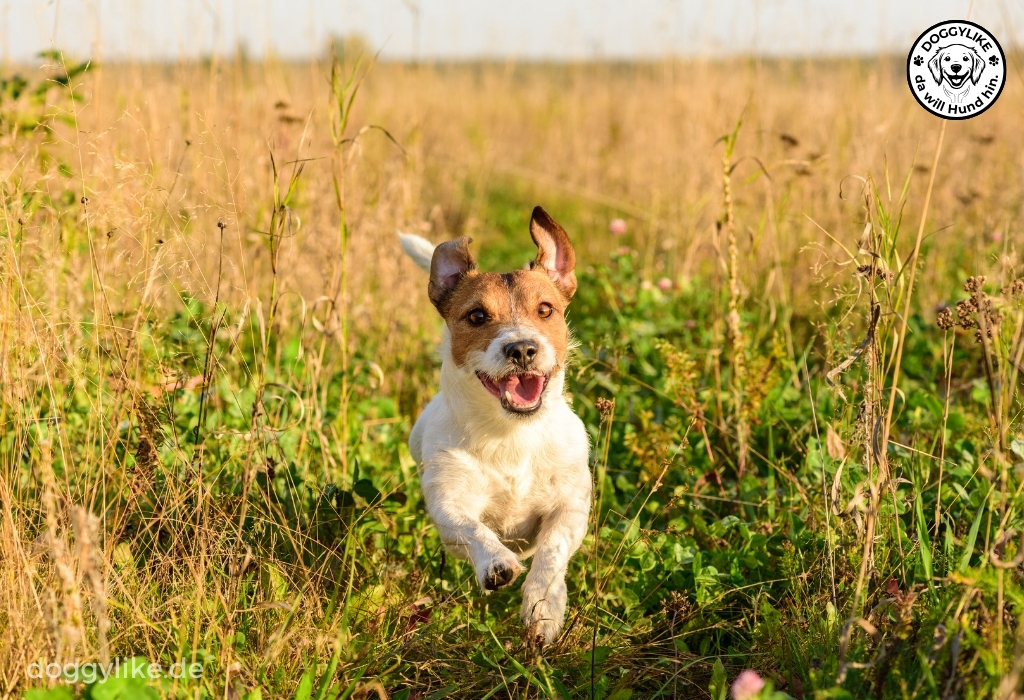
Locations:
column 450, row 262
column 977, row 66
column 935, row 68
column 555, row 255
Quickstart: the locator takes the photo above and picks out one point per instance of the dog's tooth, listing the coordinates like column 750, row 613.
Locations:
column 508, row 395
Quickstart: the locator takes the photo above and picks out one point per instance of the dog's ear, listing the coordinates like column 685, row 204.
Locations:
column 977, row 65
column 554, row 251
column 450, row 262
column 935, row 68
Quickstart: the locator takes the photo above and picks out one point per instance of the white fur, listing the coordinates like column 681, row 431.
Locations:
column 502, row 487
column 419, row 249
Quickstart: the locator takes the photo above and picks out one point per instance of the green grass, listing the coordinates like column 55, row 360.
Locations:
column 678, row 573
column 258, row 511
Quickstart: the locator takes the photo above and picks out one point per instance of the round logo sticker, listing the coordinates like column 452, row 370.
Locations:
column 956, row 69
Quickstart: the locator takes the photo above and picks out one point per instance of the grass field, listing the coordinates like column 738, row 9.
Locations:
column 807, row 444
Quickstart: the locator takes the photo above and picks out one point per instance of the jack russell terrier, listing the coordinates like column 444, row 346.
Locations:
column 503, row 460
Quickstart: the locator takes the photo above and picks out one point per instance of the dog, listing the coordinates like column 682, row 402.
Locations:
column 958, row 66
column 502, row 458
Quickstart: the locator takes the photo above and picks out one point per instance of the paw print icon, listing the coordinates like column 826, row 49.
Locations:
column 918, row 60
column 993, row 60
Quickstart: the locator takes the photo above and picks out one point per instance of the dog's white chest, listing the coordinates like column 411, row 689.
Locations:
column 513, row 486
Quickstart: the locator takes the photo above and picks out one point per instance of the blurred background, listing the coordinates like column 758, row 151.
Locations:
column 560, row 30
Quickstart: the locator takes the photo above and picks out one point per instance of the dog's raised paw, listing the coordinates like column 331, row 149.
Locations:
column 499, row 575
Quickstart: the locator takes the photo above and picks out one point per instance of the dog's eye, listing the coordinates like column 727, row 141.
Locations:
column 477, row 317
column 545, row 310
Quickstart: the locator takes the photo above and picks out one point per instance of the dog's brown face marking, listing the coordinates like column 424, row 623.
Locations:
column 485, row 303
column 508, row 328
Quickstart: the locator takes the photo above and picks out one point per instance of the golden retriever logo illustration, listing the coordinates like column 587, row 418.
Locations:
column 956, row 70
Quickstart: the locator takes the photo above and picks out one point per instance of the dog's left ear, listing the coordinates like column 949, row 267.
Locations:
column 451, row 261
column 935, row 68
column 554, row 251
column 977, row 65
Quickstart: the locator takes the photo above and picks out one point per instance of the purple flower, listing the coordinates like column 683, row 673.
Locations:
column 747, row 685
column 617, row 227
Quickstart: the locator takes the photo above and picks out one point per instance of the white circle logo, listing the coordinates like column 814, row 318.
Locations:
column 956, row 69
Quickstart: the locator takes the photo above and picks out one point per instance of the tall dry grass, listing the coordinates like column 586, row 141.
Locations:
column 164, row 152
column 112, row 224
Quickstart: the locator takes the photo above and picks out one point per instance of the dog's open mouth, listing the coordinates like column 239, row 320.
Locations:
column 519, row 393
column 957, row 81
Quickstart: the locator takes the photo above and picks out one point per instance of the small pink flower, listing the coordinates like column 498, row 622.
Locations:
column 623, row 250
column 664, row 284
column 997, row 236
column 747, row 685
column 617, row 227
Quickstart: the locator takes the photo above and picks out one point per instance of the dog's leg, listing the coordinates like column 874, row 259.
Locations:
column 456, row 496
column 544, row 592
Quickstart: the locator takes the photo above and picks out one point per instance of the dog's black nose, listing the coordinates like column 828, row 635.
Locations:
column 521, row 352
column 955, row 67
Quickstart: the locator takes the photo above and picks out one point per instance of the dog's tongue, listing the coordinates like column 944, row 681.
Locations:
column 524, row 389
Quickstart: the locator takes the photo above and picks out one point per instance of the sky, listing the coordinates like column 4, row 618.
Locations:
column 470, row 29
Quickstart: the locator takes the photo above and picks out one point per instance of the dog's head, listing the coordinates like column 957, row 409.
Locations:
column 507, row 330
column 956, row 64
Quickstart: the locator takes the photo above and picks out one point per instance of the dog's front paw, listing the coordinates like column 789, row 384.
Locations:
column 543, row 612
column 501, row 571
column 541, row 632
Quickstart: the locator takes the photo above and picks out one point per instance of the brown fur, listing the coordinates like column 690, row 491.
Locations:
column 515, row 298
column 510, row 298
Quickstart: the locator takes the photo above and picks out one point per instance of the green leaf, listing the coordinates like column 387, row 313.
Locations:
column 719, row 683
column 972, row 536
column 305, row 689
column 922, row 539
column 115, row 688
column 483, row 660
column 600, row 654
column 130, row 681
column 562, row 690
column 366, row 489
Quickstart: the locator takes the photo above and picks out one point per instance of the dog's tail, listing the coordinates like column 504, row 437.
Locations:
column 419, row 249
